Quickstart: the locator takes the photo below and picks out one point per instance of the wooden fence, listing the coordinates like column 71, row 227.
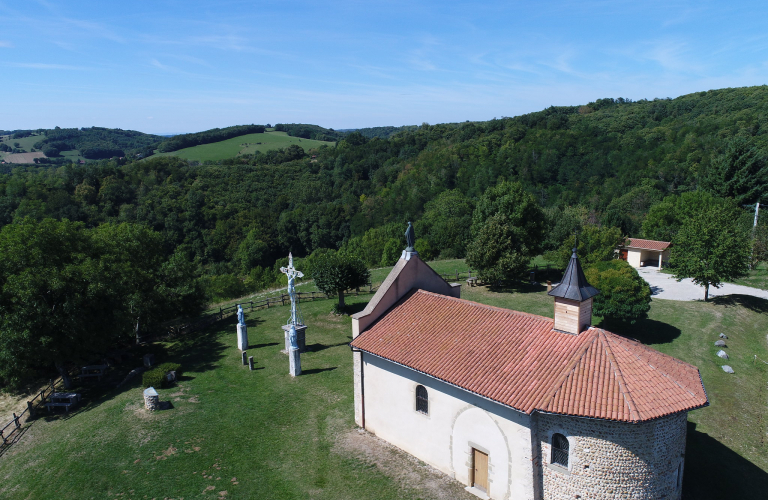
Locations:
column 33, row 406
column 226, row 311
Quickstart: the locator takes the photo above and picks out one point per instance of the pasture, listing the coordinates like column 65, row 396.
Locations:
column 233, row 433
column 26, row 144
column 244, row 144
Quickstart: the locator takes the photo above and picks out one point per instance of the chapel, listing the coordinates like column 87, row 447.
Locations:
column 515, row 405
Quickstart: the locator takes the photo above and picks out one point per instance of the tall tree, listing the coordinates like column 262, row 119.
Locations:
column 509, row 228
column 741, row 172
column 334, row 274
column 711, row 248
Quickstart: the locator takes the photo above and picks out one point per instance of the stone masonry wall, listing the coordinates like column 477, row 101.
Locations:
column 613, row 460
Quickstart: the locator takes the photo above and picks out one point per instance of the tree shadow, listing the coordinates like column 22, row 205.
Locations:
column 516, row 287
column 646, row 331
column 317, row 370
column 354, row 308
column 755, row 304
column 713, row 471
column 322, row 347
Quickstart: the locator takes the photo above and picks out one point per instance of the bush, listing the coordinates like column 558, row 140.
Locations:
column 156, row 376
column 624, row 294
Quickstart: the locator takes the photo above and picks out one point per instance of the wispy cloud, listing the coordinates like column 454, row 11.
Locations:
column 5, row 44
column 46, row 66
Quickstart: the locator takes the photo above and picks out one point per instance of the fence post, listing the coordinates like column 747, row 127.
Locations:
column 29, row 407
column 16, row 420
column 3, row 436
column 282, row 299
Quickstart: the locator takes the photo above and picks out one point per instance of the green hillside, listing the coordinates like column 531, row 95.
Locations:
column 244, row 144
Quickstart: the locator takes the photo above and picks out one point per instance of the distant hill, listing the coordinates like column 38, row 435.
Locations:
column 182, row 141
column 245, row 145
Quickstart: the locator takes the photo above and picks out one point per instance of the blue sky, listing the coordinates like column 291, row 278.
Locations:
column 183, row 66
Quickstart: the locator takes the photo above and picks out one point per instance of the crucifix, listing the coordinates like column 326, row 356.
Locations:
column 292, row 274
column 295, row 325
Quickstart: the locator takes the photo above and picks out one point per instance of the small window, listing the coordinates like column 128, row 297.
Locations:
column 560, row 450
column 422, row 400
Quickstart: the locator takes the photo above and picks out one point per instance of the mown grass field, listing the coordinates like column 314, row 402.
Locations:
column 757, row 277
column 243, row 144
column 26, row 143
column 263, row 434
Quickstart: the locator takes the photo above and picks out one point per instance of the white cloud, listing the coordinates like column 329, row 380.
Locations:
column 5, row 44
column 46, row 66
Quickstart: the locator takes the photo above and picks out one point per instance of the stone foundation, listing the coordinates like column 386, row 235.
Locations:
column 613, row 460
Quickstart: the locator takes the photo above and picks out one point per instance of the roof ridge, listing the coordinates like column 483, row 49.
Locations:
column 633, row 412
column 570, row 367
column 485, row 306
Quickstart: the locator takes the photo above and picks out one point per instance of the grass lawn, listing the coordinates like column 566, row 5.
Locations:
column 263, row 434
column 757, row 277
column 243, row 144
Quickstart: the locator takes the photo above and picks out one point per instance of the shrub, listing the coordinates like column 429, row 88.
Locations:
column 156, row 376
column 624, row 294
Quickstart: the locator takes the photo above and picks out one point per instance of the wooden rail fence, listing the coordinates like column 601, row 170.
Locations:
column 33, row 405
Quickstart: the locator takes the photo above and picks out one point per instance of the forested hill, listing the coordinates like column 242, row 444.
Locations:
column 613, row 158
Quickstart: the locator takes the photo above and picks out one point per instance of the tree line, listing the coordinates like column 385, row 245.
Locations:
column 182, row 141
column 475, row 190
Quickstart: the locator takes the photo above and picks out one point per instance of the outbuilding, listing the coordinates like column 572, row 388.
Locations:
column 640, row 253
column 515, row 405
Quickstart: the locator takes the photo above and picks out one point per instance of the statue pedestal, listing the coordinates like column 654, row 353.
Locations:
column 300, row 337
column 242, row 337
column 294, row 356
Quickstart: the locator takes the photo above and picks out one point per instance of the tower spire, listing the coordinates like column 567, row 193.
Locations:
column 573, row 299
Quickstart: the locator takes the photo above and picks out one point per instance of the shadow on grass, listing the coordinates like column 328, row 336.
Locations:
column 646, row 331
column 755, row 304
column 15, row 438
column 317, row 370
column 516, row 287
column 713, row 471
column 322, row 347
column 259, row 346
column 354, row 308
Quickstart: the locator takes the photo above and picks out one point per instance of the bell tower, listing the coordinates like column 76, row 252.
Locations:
column 573, row 299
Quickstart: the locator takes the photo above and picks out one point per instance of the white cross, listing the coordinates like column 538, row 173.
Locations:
column 292, row 274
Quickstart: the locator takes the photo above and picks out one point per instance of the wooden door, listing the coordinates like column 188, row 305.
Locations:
column 480, row 475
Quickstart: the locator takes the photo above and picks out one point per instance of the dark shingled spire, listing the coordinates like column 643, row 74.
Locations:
column 574, row 284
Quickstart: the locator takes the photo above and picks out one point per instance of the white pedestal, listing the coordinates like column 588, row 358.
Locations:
column 242, row 337
column 300, row 337
column 295, row 362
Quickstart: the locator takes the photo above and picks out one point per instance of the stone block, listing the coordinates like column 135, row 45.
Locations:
column 722, row 354
column 720, row 343
column 723, row 336
column 242, row 337
column 727, row 369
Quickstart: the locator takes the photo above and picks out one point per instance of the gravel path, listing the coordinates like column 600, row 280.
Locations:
column 664, row 286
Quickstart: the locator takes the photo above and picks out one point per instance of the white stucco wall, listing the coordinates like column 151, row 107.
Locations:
column 636, row 256
column 457, row 422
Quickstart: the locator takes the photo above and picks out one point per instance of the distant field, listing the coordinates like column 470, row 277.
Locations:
column 243, row 144
column 25, row 144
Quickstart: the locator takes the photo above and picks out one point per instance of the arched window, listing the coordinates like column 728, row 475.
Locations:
column 422, row 400
column 560, row 450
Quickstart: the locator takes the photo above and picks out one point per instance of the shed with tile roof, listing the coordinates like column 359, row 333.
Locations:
column 493, row 397
column 640, row 253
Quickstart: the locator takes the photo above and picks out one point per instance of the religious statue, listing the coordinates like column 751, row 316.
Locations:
column 292, row 338
column 292, row 274
column 240, row 315
column 410, row 238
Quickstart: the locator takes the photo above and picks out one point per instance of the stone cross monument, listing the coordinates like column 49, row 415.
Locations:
column 295, row 321
column 242, row 330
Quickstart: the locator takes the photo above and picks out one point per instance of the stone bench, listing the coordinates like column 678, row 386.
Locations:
column 66, row 406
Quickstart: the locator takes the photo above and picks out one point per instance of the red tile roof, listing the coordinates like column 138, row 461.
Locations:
column 647, row 244
column 519, row 360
